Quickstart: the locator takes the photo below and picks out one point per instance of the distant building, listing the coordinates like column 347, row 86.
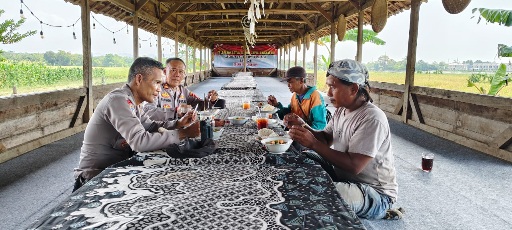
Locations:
column 455, row 66
column 477, row 67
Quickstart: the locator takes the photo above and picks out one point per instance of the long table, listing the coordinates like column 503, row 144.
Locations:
column 240, row 186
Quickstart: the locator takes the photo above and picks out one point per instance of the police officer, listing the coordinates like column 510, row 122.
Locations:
column 117, row 127
column 174, row 99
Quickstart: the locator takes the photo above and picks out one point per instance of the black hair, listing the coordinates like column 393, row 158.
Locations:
column 144, row 66
column 364, row 90
column 174, row 59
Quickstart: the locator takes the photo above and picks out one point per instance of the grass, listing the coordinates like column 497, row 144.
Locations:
column 455, row 82
column 112, row 75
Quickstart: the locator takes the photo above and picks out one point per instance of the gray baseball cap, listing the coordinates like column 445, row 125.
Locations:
column 295, row 72
column 350, row 71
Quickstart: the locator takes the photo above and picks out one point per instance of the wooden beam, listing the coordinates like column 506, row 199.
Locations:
column 87, row 59
column 416, row 108
column 411, row 55
column 321, row 10
column 31, row 145
column 238, row 20
column 171, row 10
column 243, row 12
column 503, row 139
column 140, row 4
column 79, row 110
column 305, row 19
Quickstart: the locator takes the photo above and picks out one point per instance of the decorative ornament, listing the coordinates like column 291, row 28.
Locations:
column 307, row 40
column 379, row 15
column 455, row 6
column 341, row 27
column 252, row 15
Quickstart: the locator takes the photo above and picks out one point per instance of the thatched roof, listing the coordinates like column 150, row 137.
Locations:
column 206, row 22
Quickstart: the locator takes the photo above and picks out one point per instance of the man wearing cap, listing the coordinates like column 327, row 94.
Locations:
column 360, row 137
column 117, row 127
column 306, row 101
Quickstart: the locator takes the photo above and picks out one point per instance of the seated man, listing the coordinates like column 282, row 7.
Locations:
column 306, row 101
column 174, row 99
column 214, row 101
column 117, row 128
column 360, row 138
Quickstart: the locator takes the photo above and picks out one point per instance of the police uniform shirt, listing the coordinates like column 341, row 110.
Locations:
column 115, row 129
column 164, row 108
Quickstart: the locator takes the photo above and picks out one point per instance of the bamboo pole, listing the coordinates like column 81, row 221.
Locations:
column 159, row 42
column 360, row 21
column 135, row 35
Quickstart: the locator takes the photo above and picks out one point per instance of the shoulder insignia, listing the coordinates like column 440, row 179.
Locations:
column 165, row 94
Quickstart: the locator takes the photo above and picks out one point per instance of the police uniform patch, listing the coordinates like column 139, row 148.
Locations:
column 166, row 106
column 132, row 106
column 165, row 95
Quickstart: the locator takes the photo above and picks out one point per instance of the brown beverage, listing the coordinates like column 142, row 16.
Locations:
column 427, row 161
column 262, row 122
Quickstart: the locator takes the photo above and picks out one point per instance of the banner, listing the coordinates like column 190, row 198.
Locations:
column 260, row 56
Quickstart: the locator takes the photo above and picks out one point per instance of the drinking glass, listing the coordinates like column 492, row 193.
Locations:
column 262, row 121
column 427, row 161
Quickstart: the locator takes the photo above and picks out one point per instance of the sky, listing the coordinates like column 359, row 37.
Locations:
column 441, row 36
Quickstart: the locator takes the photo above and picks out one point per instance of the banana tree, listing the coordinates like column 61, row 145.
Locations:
column 500, row 78
column 351, row 35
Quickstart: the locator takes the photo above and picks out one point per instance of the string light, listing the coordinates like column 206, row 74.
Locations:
column 113, row 38
column 41, row 33
column 93, row 26
column 74, row 35
column 22, row 16
column 127, row 32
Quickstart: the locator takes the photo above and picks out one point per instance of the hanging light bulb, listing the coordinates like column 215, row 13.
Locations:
column 42, row 35
column 114, row 40
column 140, row 45
column 74, row 35
column 22, row 16
column 93, row 25
column 150, row 45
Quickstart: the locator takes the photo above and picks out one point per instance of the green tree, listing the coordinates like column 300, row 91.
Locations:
column 502, row 17
column 351, row 35
column 8, row 34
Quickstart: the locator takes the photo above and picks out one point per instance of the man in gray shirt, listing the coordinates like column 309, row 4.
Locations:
column 357, row 142
column 117, row 127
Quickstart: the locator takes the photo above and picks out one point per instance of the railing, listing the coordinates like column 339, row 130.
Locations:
column 31, row 121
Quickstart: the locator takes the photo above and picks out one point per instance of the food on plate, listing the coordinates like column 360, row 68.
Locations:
column 267, row 107
column 276, row 142
column 265, row 132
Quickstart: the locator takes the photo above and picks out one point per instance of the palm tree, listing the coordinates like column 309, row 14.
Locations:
column 351, row 35
column 502, row 17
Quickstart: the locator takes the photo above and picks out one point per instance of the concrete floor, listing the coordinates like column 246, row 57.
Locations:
column 466, row 189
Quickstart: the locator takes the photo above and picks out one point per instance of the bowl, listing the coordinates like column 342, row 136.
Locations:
column 237, row 120
column 273, row 144
column 217, row 131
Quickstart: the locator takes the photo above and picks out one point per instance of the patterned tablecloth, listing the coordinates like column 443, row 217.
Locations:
column 240, row 186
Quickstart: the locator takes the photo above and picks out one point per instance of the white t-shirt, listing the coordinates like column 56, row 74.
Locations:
column 366, row 131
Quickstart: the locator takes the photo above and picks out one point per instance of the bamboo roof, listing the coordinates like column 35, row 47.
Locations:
column 202, row 23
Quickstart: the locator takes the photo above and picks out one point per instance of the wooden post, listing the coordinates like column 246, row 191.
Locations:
column 289, row 57
column 296, row 51
column 200, row 62
column 411, row 56
column 360, row 21
column 304, row 55
column 186, row 57
column 315, row 58
column 87, row 59
column 135, row 34
column 194, row 60
column 159, row 41
column 245, row 58
column 333, row 41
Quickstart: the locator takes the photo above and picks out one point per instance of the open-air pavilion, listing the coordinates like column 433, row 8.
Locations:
column 467, row 123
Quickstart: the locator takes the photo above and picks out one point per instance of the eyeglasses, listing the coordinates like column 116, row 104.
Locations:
column 179, row 71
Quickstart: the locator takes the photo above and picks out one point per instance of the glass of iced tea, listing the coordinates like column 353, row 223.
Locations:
column 262, row 121
column 246, row 104
column 427, row 161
